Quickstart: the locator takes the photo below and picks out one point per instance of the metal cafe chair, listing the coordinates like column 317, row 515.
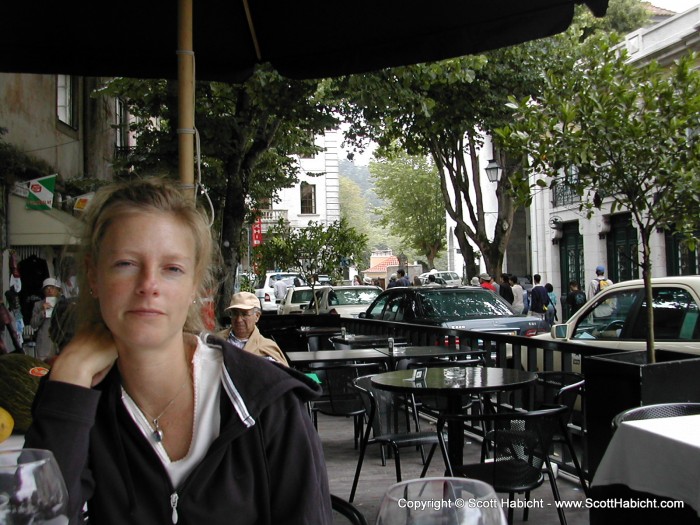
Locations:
column 346, row 509
column 657, row 411
column 519, row 443
column 562, row 388
column 382, row 408
column 339, row 397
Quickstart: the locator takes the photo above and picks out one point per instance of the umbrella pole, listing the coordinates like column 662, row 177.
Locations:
column 185, row 71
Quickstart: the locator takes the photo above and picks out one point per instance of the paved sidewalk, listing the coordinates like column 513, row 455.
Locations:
column 341, row 460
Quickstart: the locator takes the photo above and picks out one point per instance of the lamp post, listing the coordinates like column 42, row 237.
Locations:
column 403, row 261
column 493, row 170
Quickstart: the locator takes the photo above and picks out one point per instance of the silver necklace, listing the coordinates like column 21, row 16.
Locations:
column 157, row 431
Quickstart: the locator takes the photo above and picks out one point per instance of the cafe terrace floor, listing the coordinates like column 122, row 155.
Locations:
column 341, row 461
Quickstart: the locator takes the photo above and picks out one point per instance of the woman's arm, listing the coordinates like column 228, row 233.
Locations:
column 63, row 416
column 296, row 467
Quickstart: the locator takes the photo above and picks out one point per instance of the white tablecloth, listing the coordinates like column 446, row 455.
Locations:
column 658, row 456
column 15, row 441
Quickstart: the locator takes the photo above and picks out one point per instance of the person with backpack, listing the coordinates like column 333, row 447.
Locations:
column 551, row 314
column 538, row 299
column 599, row 283
column 576, row 298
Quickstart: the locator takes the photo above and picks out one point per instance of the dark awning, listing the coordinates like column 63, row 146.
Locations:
column 300, row 38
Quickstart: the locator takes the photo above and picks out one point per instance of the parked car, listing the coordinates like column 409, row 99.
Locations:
column 265, row 290
column 442, row 278
column 616, row 317
column 345, row 301
column 463, row 307
column 295, row 301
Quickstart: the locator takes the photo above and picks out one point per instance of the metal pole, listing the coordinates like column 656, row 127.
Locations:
column 185, row 71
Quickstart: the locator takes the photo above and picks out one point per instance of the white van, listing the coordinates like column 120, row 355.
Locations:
column 265, row 290
column 442, row 278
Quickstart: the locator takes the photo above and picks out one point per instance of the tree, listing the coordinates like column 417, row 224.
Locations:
column 314, row 250
column 249, row 133
column 414, row 208
column 445, row 109
column 354, row 210
column 619, row 132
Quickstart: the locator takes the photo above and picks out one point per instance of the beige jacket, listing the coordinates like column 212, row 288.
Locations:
column 259, row 345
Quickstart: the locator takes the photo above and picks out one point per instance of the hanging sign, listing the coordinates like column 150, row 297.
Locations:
column 40, row 196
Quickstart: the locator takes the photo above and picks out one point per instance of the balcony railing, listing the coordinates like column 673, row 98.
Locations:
column 563, row 194
column 273, row 215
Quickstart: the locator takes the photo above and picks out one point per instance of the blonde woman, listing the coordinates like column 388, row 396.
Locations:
column 151, row 423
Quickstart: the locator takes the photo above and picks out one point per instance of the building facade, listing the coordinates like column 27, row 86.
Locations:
column 557, row 241
column 568, row 246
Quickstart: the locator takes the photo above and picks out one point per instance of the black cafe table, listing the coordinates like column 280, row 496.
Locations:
column 313, row 335
column 355, row 341
column 424, row 352
column 478, row 380
column 365, row 355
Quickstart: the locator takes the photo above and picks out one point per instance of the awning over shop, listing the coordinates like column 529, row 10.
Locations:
column 39, row 227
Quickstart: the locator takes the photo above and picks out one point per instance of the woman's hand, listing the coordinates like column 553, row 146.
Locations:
column 86, row 360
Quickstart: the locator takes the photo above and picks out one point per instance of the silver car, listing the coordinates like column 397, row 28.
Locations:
column 345, row 301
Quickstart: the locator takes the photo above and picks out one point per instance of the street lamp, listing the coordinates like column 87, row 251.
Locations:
column 493, row 170
column 403, row 260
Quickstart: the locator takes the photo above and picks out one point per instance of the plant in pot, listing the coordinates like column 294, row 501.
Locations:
column 623, row 137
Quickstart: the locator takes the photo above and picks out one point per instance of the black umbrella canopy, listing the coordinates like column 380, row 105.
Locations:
column 300, row 38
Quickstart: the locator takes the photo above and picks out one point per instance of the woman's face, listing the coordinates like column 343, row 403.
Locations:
column 144, row 279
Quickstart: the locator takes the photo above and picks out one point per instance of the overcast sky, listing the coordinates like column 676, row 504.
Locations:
column 675, row 5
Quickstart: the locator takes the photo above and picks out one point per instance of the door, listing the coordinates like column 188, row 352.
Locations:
column 571, row 261
column 623, row 249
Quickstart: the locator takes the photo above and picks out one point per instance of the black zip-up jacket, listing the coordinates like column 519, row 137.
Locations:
column 266, row 466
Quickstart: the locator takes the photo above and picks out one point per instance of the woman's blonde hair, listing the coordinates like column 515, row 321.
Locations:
column 149, row 195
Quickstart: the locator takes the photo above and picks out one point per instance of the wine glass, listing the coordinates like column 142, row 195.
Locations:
column 32, row 490
column 441, row 501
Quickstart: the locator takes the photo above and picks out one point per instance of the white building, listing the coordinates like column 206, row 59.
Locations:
column 316, row 197
column 567, row 246
column 554, row 239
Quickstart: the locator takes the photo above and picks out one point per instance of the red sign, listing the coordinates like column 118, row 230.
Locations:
column 257, row 233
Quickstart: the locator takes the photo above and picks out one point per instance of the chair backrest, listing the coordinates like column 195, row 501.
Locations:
column 338, row 380
column 558, row 388
column 660, row 410
column 383, row 407
column 525, row 437
column 347, row 510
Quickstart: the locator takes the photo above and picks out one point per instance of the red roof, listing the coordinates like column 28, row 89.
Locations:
column 392, row 260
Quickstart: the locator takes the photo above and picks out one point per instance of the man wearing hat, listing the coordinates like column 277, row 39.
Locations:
column 485, row 280
column 41, row 319
column 245, row 312
column 600, row 282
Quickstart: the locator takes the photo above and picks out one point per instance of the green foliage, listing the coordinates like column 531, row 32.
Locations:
column 445, row 109
column 414, row 207
column 313, row 250
column 615, row 129
column 248, row 133
column 17, row 165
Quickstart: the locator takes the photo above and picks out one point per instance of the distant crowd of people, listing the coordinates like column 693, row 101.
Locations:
column 540, row 301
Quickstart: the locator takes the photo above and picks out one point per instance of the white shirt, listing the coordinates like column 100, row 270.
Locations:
column 206, row 372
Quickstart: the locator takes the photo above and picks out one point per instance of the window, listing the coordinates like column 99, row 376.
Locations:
column 122, row 124
column 563, row 191
column 66, row 110
column 308, row 198
column 675, row 317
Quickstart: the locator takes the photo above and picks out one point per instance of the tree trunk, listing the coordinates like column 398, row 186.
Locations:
column 648, row 292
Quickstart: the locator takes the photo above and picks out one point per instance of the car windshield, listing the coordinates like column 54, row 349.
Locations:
column 354, row 296
column 301, row 296
column 458, row 304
